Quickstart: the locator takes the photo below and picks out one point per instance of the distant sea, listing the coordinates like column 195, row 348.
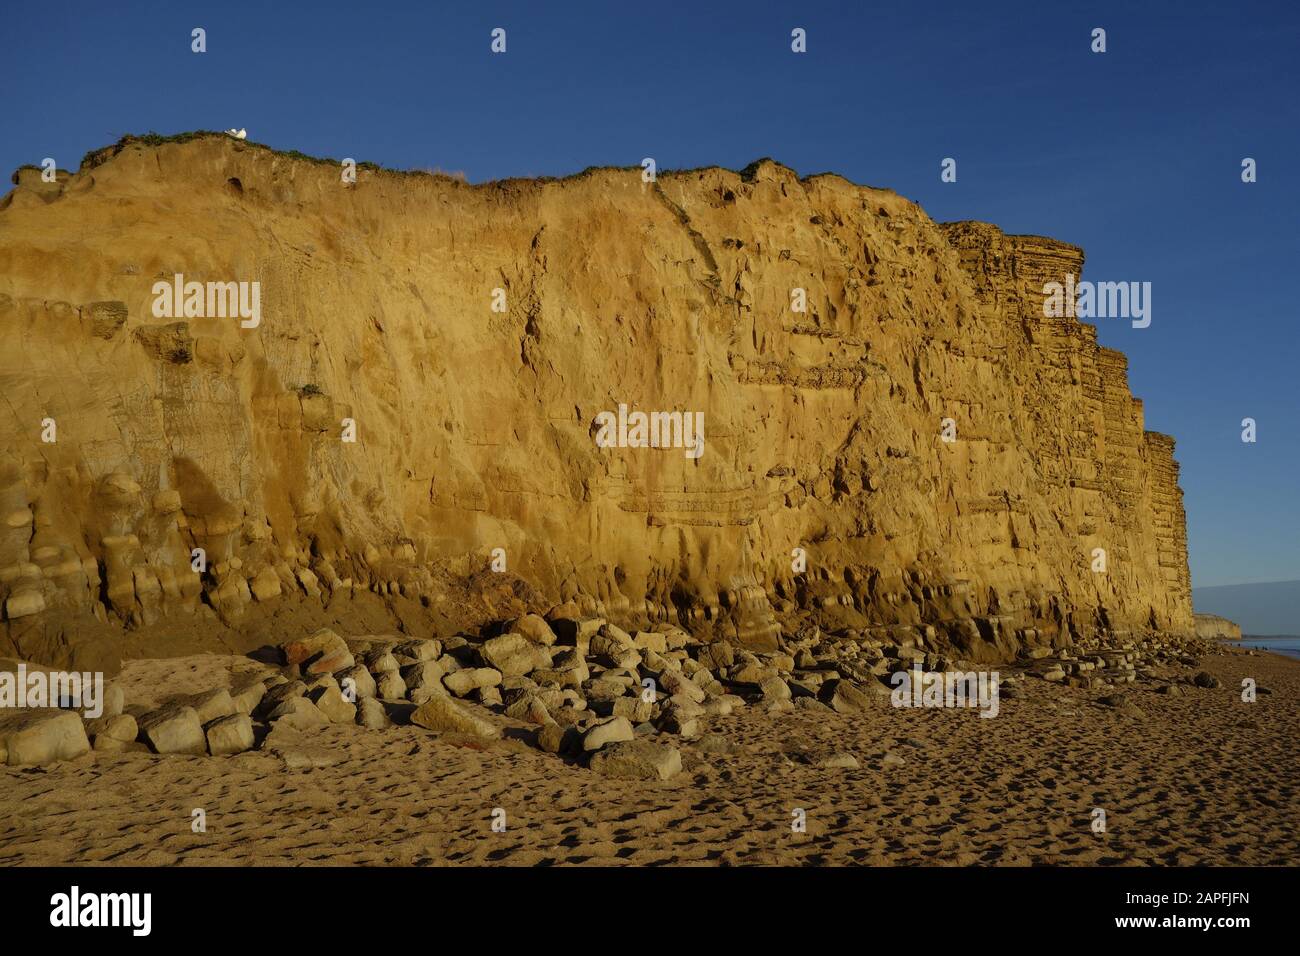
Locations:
column 1290, row 646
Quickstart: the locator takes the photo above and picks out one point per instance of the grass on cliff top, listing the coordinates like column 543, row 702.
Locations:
column 97, row 157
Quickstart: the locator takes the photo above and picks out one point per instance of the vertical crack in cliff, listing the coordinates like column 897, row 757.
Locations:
column 697, row 239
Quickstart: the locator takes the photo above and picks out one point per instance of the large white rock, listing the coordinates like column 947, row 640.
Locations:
column 246, row 699
column 212, row 704
column 174, row 730
column 607, row 731
column 39, row 737
column 230, row 735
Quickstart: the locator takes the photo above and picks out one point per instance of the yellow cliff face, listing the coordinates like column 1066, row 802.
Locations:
column 823, row 430
column 1214, row 627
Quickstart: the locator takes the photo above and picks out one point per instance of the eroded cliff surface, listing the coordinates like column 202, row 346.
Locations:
column 475, row 428
column 1215, row 627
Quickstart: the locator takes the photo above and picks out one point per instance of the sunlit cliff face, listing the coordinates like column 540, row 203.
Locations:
column 896, row 434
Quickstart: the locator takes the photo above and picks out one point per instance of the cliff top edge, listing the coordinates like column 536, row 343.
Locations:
column 151, row 140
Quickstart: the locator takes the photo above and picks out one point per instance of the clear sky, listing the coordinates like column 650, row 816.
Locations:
column 1134, row 154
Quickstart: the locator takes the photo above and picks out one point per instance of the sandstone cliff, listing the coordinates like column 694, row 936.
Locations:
column 1214, row 627
column 824, row 429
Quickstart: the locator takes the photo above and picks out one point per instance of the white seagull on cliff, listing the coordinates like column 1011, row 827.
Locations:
column 238, row 133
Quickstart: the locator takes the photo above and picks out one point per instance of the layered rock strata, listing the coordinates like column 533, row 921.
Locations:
column 1214, row 627
column 917, row 454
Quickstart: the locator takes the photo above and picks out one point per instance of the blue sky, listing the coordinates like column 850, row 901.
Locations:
column 1133, row 154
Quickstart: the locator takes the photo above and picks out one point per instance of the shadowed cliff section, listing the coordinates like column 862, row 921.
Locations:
column 475, row 428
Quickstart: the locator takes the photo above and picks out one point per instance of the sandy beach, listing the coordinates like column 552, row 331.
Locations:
column 1196, row 779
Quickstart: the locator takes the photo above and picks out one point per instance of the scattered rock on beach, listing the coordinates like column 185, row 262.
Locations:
column 584, row 685
column 715, row 744
column 534, row 628
column 607, row 731
column 360, row 680
column 513, row 655
column 247, row 698
column 175, row 729
column 211, row 705
column 551, row 737
column 843, row 698
column 113, row 733
column 322, row 652
column 420, row 649
column 230, row 735
column 637, row 760
column 38, row 737
column 443, row 714
column 464, row 682
column 298, row 712
column 379, row 660
column 278, row 694
column 389, row 685
column 372, row 715
column 774, row 689
column 297, row 751
column 838, row 761
column 330, row 702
